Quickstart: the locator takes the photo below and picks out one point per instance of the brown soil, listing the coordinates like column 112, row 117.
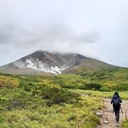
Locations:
column 110, row 116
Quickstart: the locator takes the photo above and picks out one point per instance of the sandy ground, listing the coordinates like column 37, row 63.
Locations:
column 110, row 116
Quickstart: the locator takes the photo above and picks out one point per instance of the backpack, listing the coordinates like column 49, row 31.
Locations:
column 116, row 101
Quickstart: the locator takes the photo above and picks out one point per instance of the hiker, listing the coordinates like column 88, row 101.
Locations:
column 116, row 100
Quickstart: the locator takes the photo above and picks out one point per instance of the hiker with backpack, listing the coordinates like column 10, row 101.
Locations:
column 116, row 101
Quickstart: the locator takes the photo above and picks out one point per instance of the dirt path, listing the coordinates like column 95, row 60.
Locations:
column 108, row 113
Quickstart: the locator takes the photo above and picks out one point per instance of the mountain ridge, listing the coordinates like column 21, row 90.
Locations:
column 44, row 62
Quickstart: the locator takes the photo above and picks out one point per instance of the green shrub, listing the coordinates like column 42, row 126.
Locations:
column 122, row 86
column 9, row 82
column 125, row 124
column 90, row 86
column 104, row 89
column 57, row 96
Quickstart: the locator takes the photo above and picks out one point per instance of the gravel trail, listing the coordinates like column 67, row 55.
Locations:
column 108, row 120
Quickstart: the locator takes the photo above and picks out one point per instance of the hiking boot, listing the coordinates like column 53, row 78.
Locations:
column 117, row 122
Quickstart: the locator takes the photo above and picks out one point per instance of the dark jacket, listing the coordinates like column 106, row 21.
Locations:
column 116, row 96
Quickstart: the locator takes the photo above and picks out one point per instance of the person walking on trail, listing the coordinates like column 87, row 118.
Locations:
column 116, row 101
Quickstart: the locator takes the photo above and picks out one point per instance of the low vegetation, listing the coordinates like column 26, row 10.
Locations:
column 56, row 101
column 9, row 82
column 37, row 103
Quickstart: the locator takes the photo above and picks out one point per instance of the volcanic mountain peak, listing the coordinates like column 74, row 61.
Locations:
column 47, row 62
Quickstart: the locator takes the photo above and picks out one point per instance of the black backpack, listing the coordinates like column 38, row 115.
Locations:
column 116, row 101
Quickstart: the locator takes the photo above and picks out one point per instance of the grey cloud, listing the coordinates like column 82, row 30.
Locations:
column 51, row 34
column 6, row 33
column 90, row 37
column 62, row 34
column 19, row 42
column 43, row 24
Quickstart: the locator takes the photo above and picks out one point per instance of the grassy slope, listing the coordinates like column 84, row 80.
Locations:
column 34, row 111
column 112, row 78
column 25, row 107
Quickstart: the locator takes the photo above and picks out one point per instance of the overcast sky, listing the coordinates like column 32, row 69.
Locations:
column 94, row 28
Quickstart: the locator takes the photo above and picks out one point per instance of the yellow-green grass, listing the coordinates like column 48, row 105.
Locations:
column 56, row 116
column 123, row 94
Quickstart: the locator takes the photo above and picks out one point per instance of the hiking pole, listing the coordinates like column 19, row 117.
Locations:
column 121, row 109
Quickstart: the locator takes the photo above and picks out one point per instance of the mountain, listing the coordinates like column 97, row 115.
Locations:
column 43, row 62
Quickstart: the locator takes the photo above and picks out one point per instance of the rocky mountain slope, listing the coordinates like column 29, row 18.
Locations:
column 43, row 62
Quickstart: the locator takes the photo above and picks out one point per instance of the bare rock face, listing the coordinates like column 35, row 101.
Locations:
column 43, row 62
